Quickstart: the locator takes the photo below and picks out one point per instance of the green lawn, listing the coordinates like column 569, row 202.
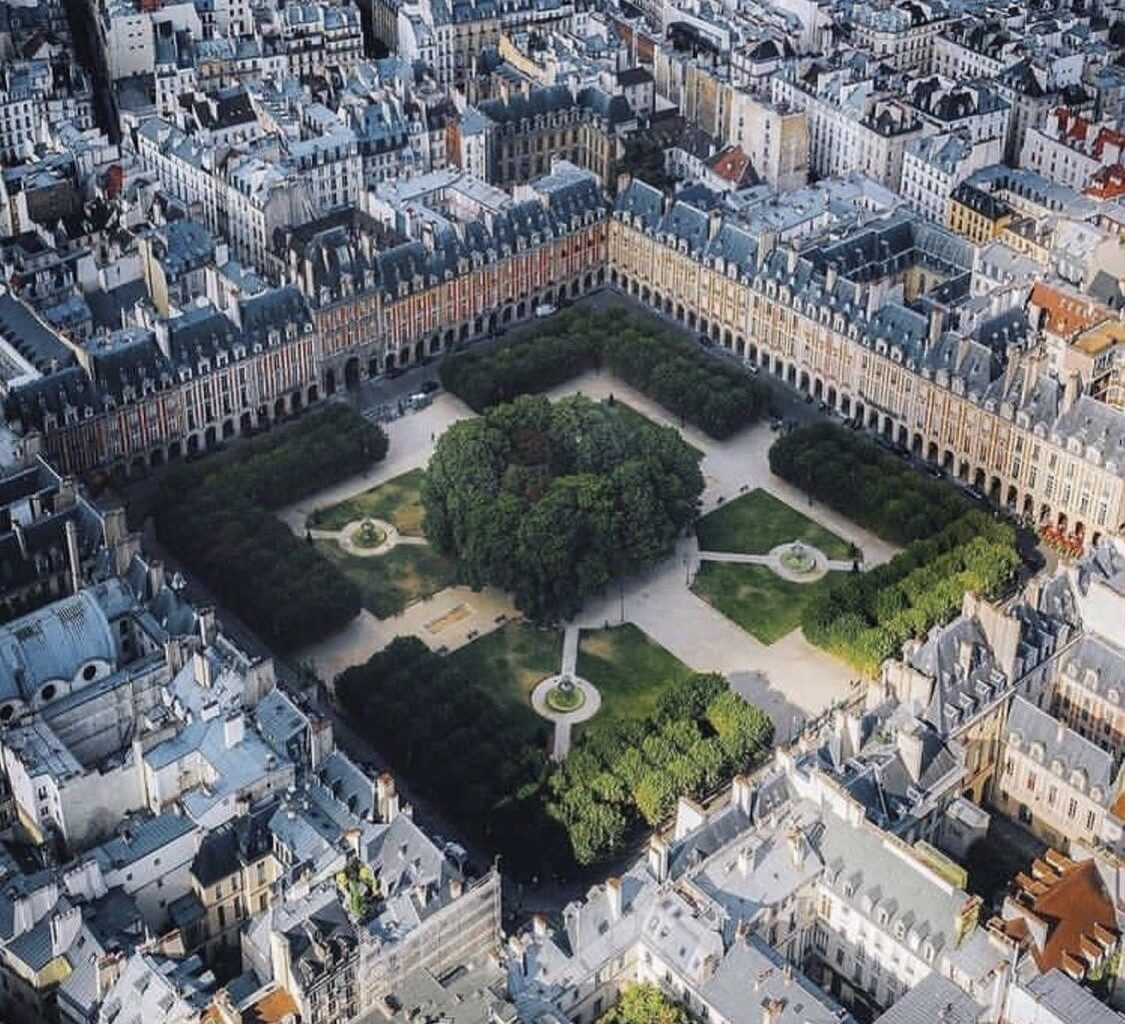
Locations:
column 510, row 661
column 753, row 596
column 633, row 418
column 757, row 522
column 398, row 501
column 388, row 583
column 630, row 670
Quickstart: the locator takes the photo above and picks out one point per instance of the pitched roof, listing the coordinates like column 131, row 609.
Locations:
column 1070, row 899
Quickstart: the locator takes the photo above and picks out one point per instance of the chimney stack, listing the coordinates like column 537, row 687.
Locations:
column 613, row 897
column 73, row 557
column 937, row 322
column 155, row 577
column 910, row 747
column 658, row 858
column 208, row 628
column 742, row 794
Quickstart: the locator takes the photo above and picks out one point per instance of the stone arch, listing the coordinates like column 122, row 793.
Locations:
column 175, row 450
column 210, row 437
column 246, row 422
column 330, row 382
column 932, row 452
column 228, row 429
column 818, row 388
column 521, row 310
column 419, row 351
column 156, row 457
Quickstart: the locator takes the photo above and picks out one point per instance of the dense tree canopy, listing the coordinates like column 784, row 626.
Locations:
column 700, row 734
column 863, row 482
column 866, row 617
column 457, row 743
column 216, row 515
column 952, row 546
column 486, row 765
column 718, row 397
column 552, row 501
column 645, row 1004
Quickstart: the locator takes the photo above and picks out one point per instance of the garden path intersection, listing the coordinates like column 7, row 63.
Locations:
column 790, row 679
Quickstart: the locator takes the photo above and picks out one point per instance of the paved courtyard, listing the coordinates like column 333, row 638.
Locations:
column 790, row 679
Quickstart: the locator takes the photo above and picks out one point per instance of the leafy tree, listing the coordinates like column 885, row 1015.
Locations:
column 645, row 1004
column 552, row 501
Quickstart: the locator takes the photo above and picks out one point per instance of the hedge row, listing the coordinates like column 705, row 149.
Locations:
column 718, row 398
column 216, row 515
column 700, row 734
column 860, row 480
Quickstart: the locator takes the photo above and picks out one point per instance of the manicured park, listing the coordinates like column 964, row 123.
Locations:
column 630, row 670
column 389, row 582
column 508, row 663
column 755, row 597
column 757, row 522
column 398, row 501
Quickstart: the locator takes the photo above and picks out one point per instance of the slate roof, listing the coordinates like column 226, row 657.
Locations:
column 933, row 1000
column 30, row 337
column 140, row 837
column 54, row 642
column 1030, row 725
column 1069, row 1001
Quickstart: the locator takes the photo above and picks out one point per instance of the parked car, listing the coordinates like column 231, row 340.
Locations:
column 544, row 309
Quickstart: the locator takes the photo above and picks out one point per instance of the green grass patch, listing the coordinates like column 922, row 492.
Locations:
column 753, row 596
column 630, row 670
column 398, row 501
column 510, row 662
column 388, row 583
column 634, row 418
column 755, row 523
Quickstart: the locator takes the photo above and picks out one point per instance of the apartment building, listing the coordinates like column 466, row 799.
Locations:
column 1058, row 784
column 1025, row 437
column 852, row 125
